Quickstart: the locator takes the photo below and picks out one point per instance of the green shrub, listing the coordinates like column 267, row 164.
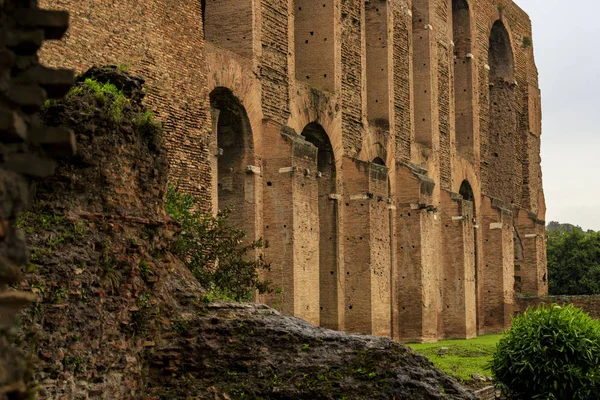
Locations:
column 550, row 353
column 217, row 253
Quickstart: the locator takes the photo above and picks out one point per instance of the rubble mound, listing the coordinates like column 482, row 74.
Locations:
column 120, row 317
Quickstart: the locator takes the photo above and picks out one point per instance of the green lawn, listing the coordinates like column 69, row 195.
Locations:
column 464, row 358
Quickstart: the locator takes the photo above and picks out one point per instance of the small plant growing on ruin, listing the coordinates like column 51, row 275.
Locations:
column 124, row 67
column 527, row 42
column 550, row 353
column 149, row 128
column 217, row 253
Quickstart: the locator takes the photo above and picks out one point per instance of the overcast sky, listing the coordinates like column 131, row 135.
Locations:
column 567, row 51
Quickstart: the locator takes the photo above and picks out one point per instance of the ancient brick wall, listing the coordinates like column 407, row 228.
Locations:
column 163, row 43
column 438, row 93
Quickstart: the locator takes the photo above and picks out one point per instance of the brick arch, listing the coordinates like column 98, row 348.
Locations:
column 464, row 77
column 501, row 53
column 501, row 147
column 314, row 110
column 377, row 143
column 327, row 216
column 466, row 172
column 225, row 71
column 233, row 153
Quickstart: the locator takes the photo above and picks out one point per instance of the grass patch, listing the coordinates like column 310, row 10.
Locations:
column 464, row 357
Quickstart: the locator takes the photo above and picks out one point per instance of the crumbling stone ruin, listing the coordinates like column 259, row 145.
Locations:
column 389, row 151
column 25, row 153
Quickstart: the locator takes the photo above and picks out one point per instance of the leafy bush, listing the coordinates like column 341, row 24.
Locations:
column 550, row 353
column 217, row 254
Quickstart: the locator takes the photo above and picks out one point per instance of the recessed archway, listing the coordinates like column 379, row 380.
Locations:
column 500, row 57
column 328, row 236
column 463, row 78
column 466, row 191
column 234, row 152
column 501, row 150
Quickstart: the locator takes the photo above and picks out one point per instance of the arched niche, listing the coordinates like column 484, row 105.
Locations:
column 501, row 150
column 466, row 191
column 234, row 153
column 378, row 161
column 328, row 237
column 463, row 78
column 500, row 56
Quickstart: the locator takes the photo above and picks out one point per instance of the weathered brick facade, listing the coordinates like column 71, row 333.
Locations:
column 388, row 150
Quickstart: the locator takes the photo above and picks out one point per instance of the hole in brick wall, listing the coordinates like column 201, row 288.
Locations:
column 347, row 273
column 409, row 214
column 325, row 39
column 350, row 307
column 347, row 204
column 312, row 34
column 267, row 226
column 404, row 308
column 324, row 75
column 269, row 183
column 361, row 238
column 285, row 226
column 403, row 277
column 306, row 41
column 331, row 272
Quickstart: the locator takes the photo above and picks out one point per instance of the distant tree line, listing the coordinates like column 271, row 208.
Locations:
column 573, row 260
